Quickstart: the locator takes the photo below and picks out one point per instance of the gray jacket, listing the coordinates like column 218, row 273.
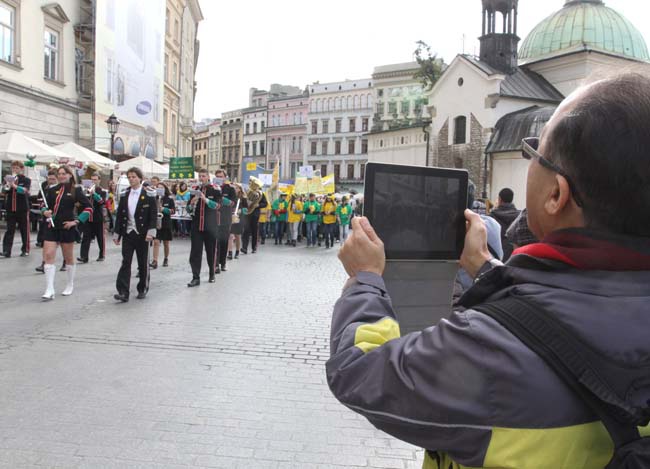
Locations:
column 467, row 390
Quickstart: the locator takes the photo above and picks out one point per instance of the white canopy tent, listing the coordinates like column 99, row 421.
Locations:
column 89, row 157
column 15, row 146
column 148, row 166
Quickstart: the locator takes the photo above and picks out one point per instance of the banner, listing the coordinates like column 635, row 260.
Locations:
column 328, row 184
column 181, row 168
column 129, row 69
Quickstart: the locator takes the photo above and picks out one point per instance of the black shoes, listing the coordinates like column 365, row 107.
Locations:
column 39, row 245
column 5, row 254
column 276, row 242
column 24, row 254
column 153, row 265
column 100, row 259
column 63, row 267
column 244, row 251
column 121, row 297
column 194, row 283
column 141, row 296
column 230, row 255
column 81, row 260
column 223, row 268
column 40, row 268
column 165, row 263
column 236, row 254
column 255, row 250
column 212, row 279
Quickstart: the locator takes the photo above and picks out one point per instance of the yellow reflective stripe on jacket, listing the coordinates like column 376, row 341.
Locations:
column 370, row 336
column 586, row 446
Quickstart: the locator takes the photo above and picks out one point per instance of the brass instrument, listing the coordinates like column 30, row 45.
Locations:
column 254, row 194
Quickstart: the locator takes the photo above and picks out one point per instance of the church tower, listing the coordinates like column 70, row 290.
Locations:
column 499, row 39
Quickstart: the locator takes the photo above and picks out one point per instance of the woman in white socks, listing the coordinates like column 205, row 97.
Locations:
column 61, row 227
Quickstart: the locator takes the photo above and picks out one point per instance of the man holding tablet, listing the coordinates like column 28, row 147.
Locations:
column 467, row 389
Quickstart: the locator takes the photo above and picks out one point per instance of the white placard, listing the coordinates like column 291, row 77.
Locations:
column 267, row 179
column 306, row 171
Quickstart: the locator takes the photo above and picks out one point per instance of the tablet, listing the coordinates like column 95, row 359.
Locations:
column 417, row 211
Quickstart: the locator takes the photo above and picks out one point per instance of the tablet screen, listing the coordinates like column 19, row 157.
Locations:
column 417, row 211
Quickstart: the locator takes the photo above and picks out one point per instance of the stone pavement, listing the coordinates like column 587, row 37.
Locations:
column 227, row 375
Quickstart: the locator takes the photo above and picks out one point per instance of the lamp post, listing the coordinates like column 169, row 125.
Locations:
column 113, row 124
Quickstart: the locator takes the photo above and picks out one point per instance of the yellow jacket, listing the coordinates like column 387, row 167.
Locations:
column 329, row 212
column 294, row 207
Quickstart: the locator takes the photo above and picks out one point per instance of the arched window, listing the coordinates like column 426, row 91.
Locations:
column 349, row 102
column 330, row 102
column 356, row 102
column 149, row 151
column 460, row 130
column 337, row 103
column 326, row 106
column 320, row 105
column 364, row 101
column 370, row 101
column 118, row 146
column 135, row 149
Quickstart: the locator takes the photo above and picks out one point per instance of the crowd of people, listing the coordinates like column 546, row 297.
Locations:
column 223, row 218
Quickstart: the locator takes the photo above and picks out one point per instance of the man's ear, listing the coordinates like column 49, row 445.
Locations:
column 559, row 197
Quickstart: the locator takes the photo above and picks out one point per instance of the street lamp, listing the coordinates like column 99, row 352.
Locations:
column 113, row 124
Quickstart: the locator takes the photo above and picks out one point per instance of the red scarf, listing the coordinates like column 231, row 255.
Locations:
column 587, row 250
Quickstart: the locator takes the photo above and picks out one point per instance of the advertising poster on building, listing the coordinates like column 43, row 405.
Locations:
column 129, row 71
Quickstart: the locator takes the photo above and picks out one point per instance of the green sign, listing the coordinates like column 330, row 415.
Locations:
column 181, row 168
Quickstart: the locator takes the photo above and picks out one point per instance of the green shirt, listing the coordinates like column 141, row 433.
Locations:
column 311, row 215
column 344, row 214
column 280, row 206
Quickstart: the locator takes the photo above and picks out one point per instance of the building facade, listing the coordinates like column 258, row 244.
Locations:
column 214, row 145
column 401, row 118
column 231, row 142
column 254, row 126
column 200, row 143
column 340, row 116
column 287, row 132
column 181, row 53
column 39, row 90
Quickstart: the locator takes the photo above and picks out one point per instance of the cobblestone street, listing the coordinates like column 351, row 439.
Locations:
column 226, row 375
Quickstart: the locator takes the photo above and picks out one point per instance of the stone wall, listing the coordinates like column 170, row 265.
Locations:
column 468, row 156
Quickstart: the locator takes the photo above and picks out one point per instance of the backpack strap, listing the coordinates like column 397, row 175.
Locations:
column 581, row 367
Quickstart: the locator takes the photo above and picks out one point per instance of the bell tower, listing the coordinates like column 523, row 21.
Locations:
column 499, row 39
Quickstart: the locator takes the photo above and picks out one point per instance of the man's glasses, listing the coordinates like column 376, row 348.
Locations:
column 529, row 151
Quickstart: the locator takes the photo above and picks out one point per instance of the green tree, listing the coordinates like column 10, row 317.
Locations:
column 431, row 67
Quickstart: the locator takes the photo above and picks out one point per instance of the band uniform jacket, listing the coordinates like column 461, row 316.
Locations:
column 14, row 200
column 225, row 212
column 99, row 205
column 62, row 199
column 146, row 213
column 206, row 212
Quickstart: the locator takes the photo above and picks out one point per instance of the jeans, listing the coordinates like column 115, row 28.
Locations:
column 312, row 232
column 345, row 231
column 280, row 228
column 328, row 229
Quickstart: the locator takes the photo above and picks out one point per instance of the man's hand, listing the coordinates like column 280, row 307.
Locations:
column 363, row 251
column 194, row 200
column 47, row 213
column 475, row 253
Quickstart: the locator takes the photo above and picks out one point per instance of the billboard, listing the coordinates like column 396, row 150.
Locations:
column 129, row 73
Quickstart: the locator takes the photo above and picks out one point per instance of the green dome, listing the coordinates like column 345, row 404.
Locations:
column 584, row 25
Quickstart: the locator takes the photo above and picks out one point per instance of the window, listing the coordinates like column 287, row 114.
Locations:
column 337, row 147
column 254, row 148
column 351, row 148
column 362, row 171
column 165, row 128
column 175, row 76
column 51, row 54
column 323, row 170
column 293, row 145
column 299, row 144
column 272, row 146
column 247, row 129
column 380, row 108
column 7, row 33
column 314, row 127
column 173, row 132
column 177, row 35
column 229, row 154
column 262, row 149
column 350, row 171
column 364, row 146
column 405, row 107
column 323, row 147
column 364, row 124
column 313, row 148
column 224, row 137
column 392, row 108
column 205, row 144
column 326, row 127
column 167, row 21
column 237, row 136
column 338, row 126
column 236, row 153
column 262, row 126
column 294, row 169
column 337, row 172
column 246, row 148
column 460, row 129
column 254, row 127
column 230, row 137
column 352, row 125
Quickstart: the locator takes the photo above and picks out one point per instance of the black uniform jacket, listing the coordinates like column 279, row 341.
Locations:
column 15, row 202
column 98, row 205
column 146, row 213
column 62, row 199
column 204, row 217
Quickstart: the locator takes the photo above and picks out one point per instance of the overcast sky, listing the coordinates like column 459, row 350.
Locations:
column 255, row 43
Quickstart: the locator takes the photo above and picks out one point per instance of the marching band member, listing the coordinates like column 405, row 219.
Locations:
column 204, row 228
column 95, row 227
column 135, row 225
column 164, row 233
column 224, row 217
column 61, row 230
column 17, row 206
column 256, row 202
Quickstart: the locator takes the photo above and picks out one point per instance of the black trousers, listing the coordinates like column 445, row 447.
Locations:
column 201, row 240
column 131, row 243
column 222, row 251
column 90, row 231
column 22, row 220
column 251, row 230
